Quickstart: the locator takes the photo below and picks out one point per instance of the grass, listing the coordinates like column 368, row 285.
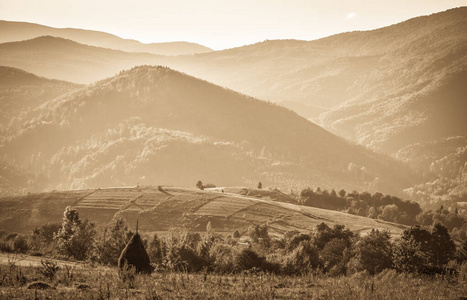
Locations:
column 107, row 283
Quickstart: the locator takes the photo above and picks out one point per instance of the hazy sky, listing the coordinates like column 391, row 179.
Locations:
column 220, row 24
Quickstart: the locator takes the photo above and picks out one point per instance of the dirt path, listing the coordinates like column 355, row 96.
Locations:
column 34, row 261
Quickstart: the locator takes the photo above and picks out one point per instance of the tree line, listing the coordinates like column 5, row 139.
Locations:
column 385, row 207
column 328, row 250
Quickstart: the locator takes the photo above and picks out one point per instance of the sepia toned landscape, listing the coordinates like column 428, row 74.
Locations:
column 292, row 166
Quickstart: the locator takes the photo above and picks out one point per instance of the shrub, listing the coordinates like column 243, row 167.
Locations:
column 247, row 259
column 156, row 250
column 302, row 260
column 20, row 244
column 110, row 242
column 49, row 269
column 181, row 253
column 5, row 247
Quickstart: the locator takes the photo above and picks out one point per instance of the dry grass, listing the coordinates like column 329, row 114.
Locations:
column 105, row 283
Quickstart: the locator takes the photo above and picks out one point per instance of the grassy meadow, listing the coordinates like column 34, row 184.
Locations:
column 88, row 282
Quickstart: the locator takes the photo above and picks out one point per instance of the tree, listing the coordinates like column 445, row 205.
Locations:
column 209, row 228
column 373, row 252
column 324, row 234
column 156, row 250
column 443, row 247
column 303, row 259
column 294, row 241
column 247, row 259
column 260, row 185
column 260, row 234
column 199, row 185
column 407, row 255
column 75, row 237
column 342, row 193
column 333, row 254
column 416, row 241
column 20, row 244
column 111, row 241
column 333, row 193
column 390, row 213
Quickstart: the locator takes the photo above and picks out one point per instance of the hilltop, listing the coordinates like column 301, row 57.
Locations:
column 18, row 31
column 21, row 91
column 153, row 124
column 167, row 208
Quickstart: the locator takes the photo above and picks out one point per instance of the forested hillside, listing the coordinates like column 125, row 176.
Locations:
column 154, row 125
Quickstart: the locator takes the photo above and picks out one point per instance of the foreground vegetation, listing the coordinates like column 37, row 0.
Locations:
column 326, row 263
column 108, row 283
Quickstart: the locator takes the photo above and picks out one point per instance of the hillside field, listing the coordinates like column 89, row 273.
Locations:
column 162, row 209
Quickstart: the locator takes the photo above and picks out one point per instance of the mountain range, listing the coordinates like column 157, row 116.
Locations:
column 398, row 90
column 17, row 31
column 154, row 125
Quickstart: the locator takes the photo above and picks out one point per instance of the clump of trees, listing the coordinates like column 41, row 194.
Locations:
column 385, row 207
column 454, row 222
column 376, row 206
column 202, row 186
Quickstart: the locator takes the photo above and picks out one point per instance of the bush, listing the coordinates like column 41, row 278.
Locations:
column 247, row 259
column 303, row 259
column 5, row 247
column 110, row 242
column 181, row 253
column 156, row 250
column 49, row 269
column 20, row 244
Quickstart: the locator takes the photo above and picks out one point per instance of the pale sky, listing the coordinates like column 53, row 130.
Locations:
column 220, row 24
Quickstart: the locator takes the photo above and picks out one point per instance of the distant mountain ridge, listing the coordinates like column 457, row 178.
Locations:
column 11, row 31
column 155, row 125
column 65, row 59
column 21, row 91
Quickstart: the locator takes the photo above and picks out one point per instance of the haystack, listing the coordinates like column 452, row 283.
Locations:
column 134, row 255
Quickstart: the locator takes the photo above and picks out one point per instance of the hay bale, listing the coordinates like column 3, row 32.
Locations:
column 134, row 255
column 83, row 286
column 39, row 285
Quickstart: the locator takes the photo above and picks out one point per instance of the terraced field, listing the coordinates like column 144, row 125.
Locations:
column 161, row 209
column 225, row 206
column 108, row 199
